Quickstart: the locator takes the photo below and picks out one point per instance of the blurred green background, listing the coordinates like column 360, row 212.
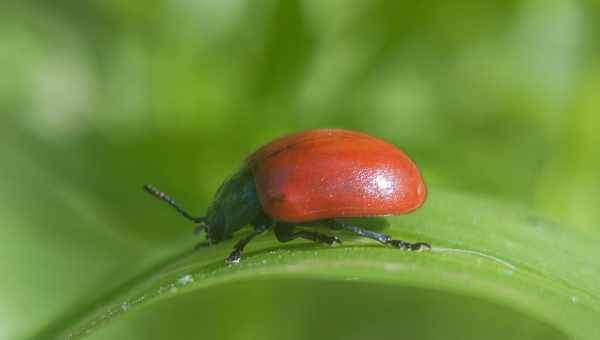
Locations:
column 492, row 98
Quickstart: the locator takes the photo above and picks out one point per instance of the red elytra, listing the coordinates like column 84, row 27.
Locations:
column 332, row 173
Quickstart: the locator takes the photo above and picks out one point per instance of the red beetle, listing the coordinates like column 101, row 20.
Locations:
column 316, row 177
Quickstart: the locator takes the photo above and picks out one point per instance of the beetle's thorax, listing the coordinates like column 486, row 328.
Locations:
column 234, row 206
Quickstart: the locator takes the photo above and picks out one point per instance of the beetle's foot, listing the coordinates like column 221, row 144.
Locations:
column 234, row 257
column 419, row 246
column 398, row 244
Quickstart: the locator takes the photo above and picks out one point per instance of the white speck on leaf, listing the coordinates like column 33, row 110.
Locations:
column 184, row 280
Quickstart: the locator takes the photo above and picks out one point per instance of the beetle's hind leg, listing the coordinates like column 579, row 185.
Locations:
column 382, row 238
column 285, row 233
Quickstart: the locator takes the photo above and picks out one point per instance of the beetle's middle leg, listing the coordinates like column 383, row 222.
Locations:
column 285, row 233
column 383, row 238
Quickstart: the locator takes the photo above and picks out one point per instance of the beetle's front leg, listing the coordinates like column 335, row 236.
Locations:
column 236, row 254
column 261, row 223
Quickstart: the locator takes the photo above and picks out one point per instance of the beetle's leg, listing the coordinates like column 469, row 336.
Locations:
column 235, row 255
column 285, row 233
column 383, row 238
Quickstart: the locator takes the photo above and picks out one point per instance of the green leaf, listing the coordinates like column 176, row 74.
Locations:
column 491, row 264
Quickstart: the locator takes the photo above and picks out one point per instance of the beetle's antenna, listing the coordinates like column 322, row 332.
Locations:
column 162, row 196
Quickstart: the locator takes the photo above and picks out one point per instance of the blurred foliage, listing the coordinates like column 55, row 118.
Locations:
column 495, row 98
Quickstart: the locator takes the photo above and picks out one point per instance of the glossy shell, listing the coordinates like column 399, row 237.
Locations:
column 332, row 173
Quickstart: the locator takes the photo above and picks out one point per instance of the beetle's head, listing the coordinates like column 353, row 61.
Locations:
column 213, row 224
column 234, row 206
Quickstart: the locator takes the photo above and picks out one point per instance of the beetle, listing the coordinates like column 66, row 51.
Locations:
column 316, row 177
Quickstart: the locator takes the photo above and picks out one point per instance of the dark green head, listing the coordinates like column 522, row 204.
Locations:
column 234, row 206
